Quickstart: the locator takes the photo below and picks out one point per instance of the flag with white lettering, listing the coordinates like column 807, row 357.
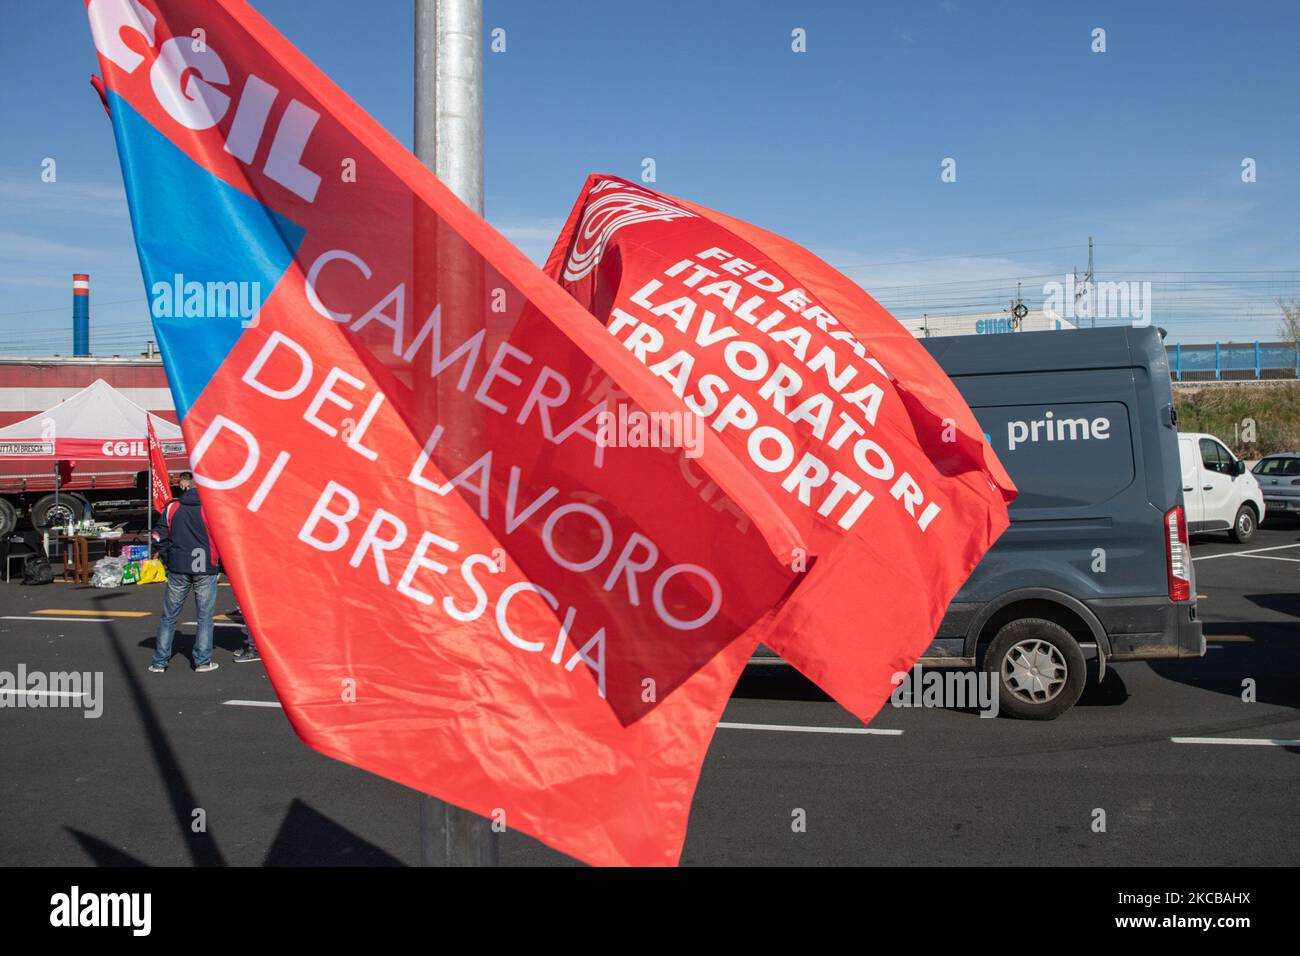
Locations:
column 457, row 581
column 847, row 422
column 489, row 549
column 160, row 483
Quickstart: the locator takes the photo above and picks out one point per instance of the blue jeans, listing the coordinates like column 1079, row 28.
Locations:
column 248, row 635
column 179, row 586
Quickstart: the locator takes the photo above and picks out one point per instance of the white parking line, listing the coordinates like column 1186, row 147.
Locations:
column 44, row 693
column 214, row 624
column 1244, row 554
column 46, row 617
column 725, row 725
column 1268, row 557
column 790, row 728
column 1237, row 741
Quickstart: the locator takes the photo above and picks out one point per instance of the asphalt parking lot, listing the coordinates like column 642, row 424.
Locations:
column 1184, row 770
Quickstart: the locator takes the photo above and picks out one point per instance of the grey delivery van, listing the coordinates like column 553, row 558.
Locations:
column 1096, row 561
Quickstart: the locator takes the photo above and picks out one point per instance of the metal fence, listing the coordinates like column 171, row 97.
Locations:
column 1234, row 361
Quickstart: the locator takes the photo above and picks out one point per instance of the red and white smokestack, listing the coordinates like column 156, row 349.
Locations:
column 80, row 314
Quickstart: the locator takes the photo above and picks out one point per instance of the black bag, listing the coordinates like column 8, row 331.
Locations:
column 37, row 571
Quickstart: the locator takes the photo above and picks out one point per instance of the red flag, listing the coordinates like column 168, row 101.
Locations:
column 857, row 435
column 469, row 592
column 488, row 581
column 160, row 483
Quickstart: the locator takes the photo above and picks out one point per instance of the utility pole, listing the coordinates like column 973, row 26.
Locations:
column 1092, row 286
column 449, row 141
column 1088, row 288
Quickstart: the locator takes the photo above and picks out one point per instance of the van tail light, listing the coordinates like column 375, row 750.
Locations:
column 1178, row 555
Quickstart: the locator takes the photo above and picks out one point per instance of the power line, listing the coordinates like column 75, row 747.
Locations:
column 68, row 308
column 972, row 255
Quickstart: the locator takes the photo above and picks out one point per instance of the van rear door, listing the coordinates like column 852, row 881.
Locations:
column 1084, row 423
column 1081, row 523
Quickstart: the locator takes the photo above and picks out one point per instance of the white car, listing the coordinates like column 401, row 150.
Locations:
column 1219, row 492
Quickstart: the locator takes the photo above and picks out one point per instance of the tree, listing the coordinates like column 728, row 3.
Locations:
column 1288, row 327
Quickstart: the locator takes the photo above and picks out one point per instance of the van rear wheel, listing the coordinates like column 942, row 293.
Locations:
column 1243, row 526
column 1039, row 669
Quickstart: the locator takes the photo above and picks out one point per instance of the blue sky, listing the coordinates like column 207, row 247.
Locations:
column 838, row 148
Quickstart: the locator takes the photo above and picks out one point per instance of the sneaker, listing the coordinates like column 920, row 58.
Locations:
column 204, row 668
column 157, row 668
column 247, row 655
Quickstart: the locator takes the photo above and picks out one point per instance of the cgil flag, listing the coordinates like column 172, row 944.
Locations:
column 160, row 483
column 454, row 582
column 413, row 447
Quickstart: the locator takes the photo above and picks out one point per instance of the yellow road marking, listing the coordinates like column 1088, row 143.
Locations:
column 1230, row 639
column 61, row 612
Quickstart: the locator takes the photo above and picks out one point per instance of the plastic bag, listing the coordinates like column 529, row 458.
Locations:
column 108, row 573
column 151, row 572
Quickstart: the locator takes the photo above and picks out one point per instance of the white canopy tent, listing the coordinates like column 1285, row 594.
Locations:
column 98, row 422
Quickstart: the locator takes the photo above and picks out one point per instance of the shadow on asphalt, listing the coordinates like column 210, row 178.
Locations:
column 776, row 682
column 183, row 644
column 107, row 595
column 309, row 838
column 783, row 682
column 1285, row 526
column 203, row 851
column 305, row 838
column 1271, row 658
column 101, row 853
column 1110, row 692
column 1281, row 603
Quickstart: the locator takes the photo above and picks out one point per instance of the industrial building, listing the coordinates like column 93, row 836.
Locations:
column 986, row 323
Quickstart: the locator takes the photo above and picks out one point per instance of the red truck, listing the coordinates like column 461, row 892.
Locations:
column 29, row 386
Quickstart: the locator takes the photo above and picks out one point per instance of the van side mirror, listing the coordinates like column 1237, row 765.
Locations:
column 1238, row 468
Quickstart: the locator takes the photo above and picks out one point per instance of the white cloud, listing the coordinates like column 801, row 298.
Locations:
column 534, row 238
column 16, row 245
column 28, row 194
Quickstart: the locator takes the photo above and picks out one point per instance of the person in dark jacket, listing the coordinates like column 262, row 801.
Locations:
column 192, row 565
column 249, row 652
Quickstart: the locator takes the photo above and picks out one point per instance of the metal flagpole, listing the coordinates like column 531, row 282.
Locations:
column 449, row 94
column 148, row 502
column 449, row 141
